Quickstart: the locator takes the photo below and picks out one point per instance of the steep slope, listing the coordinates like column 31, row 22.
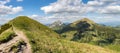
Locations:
column 25, row 23
column 29, row 36
column 87, row 31
column 18, row 26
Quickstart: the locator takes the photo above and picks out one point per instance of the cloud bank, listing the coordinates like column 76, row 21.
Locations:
column 77, row 6
column 6, row 10
column 100, row 10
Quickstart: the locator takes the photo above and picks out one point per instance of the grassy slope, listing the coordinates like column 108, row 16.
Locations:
column 101, row 34
column 68, row 35
column 6, row 35
column 25, row 23
column 44, row 40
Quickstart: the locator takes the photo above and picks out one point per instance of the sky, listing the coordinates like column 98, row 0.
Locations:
column 48, row 11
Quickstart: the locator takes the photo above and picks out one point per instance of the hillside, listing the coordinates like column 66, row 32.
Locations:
column 87, row 31
column 26, row 35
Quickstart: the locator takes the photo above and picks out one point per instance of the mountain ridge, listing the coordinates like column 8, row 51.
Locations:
column 87, row 31
column 41, row 39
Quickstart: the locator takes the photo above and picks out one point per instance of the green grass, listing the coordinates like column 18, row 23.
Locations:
column 68, row 35
column 7, row 35
column 44, row 44
column 87, row 31
column 44, row 40
column 25, row 23
column 113, row 47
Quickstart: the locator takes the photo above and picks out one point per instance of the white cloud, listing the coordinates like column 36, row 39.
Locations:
column 77, row 6
column 63, row 6
column 71, row 10
column 94, row 3
column 106, row 19
column 4, row 19
column 104, row 6
column 4, row 2
column 111, row 9
column 5, row 10
column 41, row 19
column 53, row 18
column 19, row 0
column 16, row 9
column 34, row 16
column 71, row 18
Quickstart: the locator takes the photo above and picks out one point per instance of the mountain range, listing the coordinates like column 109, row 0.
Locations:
column 87, row 31
column 25, row 35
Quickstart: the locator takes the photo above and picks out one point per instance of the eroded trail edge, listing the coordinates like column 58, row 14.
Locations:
column 25, row 39
column 5, row 47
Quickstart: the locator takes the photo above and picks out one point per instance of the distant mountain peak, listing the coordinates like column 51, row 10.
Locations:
column 85, row 20
column 56, row 23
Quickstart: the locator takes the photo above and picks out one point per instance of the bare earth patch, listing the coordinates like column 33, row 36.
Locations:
column 5, row 47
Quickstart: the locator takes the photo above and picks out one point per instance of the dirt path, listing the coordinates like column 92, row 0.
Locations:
column 5, row 47
column 24, row 38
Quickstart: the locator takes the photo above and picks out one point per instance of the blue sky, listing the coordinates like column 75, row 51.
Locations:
column 48, row 11
column 30, row 6
column 33, row 7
